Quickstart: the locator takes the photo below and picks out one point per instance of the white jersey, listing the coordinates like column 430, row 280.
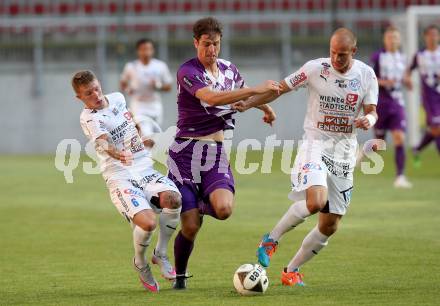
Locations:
column 141, row 79
column 116, row 122
column 334, row 101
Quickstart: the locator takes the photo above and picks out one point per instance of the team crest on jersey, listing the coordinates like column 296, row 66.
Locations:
column 127, row 115
column 325, row 72
column 354, row 84
column 101, row 125
column 351, row 99
column 115, row 111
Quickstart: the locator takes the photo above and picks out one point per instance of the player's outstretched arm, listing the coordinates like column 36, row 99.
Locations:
column 261, row 99
column 102, row 143
column 218, row 98
column 368, row 119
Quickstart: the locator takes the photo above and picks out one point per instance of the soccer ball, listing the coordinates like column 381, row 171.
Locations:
column 250, row 279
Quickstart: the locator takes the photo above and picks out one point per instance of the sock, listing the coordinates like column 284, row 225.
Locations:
column 437, row 142
column 426, row 140
column 168, row 221
column 182, row 250
column 400, row 159
column 295, row 215
column 311, row 245
column 141, row 240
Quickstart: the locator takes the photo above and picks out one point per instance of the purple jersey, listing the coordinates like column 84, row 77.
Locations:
column 195, row 117
column 390, row 66
column 428, row 64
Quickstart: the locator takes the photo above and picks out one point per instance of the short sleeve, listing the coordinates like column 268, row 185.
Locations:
column 166, row 77
column 299, row 78
column 238, row 79
column 126, row 72
column 372, row 91
column 190, row 79
column 93, row 127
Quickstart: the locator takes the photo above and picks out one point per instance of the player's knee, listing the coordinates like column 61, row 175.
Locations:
column 170, row 199
column 147, row 225
column 224, row 211
column 435, row 131
column 328, row 229
column 316, row 204
column 190, row 230
column 398, row 138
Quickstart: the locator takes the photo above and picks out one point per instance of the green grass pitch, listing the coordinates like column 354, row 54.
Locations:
column 65, row 244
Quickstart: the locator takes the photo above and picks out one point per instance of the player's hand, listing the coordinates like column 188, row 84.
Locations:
column 407, row 81
column 148, row 143
column 269, row 115
column 240, row 106
column 126, row 158
column 362, row 123
column 388, row 83
column 268, row 86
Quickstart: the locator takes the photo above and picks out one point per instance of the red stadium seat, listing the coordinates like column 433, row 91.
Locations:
column 64, row 8
column 187, row 6
column 88, row 8
column 14, row 9
column 138, row 7
column 163, row 7
column 261, row 6
column 112, row 7
column 39, row 8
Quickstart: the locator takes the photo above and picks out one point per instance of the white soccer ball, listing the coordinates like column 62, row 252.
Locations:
column 250, row 279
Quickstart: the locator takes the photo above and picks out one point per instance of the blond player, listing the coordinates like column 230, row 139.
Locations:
column 339, row 88
column 143, row 79
column 136, row 189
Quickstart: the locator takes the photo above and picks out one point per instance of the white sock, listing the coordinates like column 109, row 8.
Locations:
column 141, row 240
column 168, row 221
column 311, row 245
column 295, row 215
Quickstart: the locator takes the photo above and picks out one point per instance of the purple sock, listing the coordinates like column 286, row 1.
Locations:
column 400, row 159
column 182, row 250
column 437, row 142
column 426, row 140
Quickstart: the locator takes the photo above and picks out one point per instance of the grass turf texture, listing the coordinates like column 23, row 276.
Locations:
column 65, row 244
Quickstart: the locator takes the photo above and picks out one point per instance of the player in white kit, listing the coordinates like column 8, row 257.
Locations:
column 136, row 189
column 142, row 80
column 339, row 88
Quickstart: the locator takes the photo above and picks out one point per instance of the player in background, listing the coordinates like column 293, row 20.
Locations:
column 389, row 64
column 136, row 189
column 427, row 61
column 143, row 79
column 322, row 177
column 197, row 159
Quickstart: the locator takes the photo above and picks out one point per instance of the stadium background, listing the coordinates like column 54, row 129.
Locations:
column 64, row 244
column 43, row 42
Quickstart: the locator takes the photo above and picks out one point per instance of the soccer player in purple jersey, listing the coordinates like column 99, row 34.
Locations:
column 427, row 61
column 197, row 160
column 389, row 64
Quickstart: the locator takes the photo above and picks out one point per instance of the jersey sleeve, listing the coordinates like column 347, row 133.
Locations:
column 126, row 72
column 190, row 79
column 238, row 79
column 92, row 126
column 300, row 78
column 372, row 93
column 166, row 77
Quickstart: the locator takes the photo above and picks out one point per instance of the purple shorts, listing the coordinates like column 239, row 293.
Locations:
column 391, row 117
column 198, row 168
column 432, row 109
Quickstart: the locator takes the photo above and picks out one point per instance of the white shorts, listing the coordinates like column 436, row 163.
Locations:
column 143, row 110
column 306, row 173
column 131, row 196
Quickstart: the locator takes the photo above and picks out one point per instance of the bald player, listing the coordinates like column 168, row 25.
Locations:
column 339, row 87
